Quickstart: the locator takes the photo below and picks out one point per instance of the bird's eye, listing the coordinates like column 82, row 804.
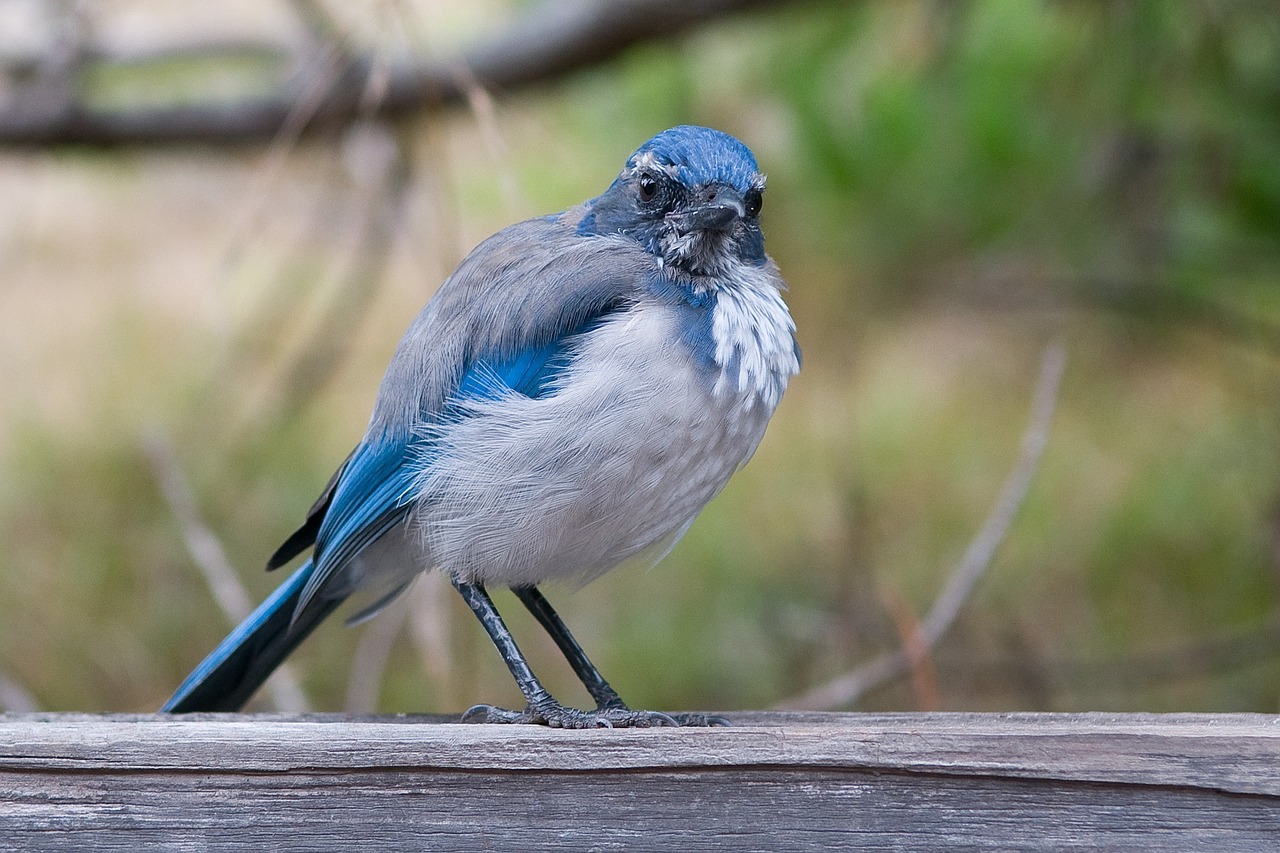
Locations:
column 754, row 201
column 648, row 188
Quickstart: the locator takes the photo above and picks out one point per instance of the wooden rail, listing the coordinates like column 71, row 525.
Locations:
column 901, row 782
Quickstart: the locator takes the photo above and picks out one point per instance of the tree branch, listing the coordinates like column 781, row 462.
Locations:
column 551, row 42
column 210, row 558
column 845, row 689
column 14, row 698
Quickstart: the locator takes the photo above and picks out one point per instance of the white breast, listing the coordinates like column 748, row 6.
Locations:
column 754, row 335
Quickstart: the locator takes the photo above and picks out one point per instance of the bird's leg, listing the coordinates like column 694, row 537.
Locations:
column 542, row 707
column 607, row 699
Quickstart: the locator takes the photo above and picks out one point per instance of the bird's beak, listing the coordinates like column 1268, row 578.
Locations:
column 716, row 209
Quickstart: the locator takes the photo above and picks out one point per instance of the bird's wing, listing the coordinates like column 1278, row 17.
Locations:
column 499, row 324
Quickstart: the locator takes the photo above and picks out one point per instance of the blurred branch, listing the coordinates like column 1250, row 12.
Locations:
column 318, row 22
column 373, row 652
column 486, row 117
column 196, row 48
column 846, row 689
column 207, row 553
column 421, row 609
column 1201, row 658
column 380, row 164
column 429, row 628
column 924, row 674
column 552, row 41
column 325, row 69
column 378, row 160
column 14, row 698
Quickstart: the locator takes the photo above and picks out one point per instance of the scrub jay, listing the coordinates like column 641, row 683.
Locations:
column 569, row 400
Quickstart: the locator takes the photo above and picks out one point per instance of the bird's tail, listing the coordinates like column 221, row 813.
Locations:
column 231, row 673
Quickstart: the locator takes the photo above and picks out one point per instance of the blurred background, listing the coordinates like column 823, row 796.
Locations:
column 1008, row 226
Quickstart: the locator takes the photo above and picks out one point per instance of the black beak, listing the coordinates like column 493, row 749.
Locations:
column 716, row 208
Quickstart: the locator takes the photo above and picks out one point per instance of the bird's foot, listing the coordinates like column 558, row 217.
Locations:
column 684, row 720
column 557, row 716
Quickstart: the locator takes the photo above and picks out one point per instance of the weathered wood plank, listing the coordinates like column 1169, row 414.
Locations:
column 795, row 781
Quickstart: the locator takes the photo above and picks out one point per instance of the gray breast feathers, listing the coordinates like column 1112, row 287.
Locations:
column 617, row 461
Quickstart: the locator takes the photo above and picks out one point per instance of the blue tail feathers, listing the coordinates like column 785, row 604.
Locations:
column 231, row 673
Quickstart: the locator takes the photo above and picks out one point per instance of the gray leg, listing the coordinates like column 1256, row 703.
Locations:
column 542, row 707
column 606, row 697
column 600, row 690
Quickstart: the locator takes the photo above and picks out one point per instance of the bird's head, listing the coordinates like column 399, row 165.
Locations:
column 691, row 196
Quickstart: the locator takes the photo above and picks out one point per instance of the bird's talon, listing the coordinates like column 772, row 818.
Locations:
column 476, row 714
column 493, row 714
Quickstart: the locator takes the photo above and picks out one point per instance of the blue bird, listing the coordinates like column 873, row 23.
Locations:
column 569, row 400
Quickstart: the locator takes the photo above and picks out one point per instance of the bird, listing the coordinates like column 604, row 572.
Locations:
column 568, row 401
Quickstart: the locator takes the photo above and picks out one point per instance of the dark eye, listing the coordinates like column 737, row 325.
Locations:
column 754, row 201
column 648, row 188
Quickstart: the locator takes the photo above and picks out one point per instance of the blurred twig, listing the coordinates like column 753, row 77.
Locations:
column 380, row 165
column 551, row 41
column 924, row 674
column 486, row 115
column 318, row 22
column 1188, row 661
column 844, row 690
column 210, row 558
column 320, row 76
column 14, row 698
column 422, row 609
column 429, row 629
column 372, row 654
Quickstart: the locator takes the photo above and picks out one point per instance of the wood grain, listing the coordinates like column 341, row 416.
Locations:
column 770, row 782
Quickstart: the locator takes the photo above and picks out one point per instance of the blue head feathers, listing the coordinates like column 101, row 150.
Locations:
column 690, row 196
column 700, row 155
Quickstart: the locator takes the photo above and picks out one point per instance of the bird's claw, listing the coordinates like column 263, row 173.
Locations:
column 557, row 716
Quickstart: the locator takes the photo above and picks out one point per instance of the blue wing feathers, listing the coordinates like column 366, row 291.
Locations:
column 371, row 497
column 376, row 488
column 527, row 372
